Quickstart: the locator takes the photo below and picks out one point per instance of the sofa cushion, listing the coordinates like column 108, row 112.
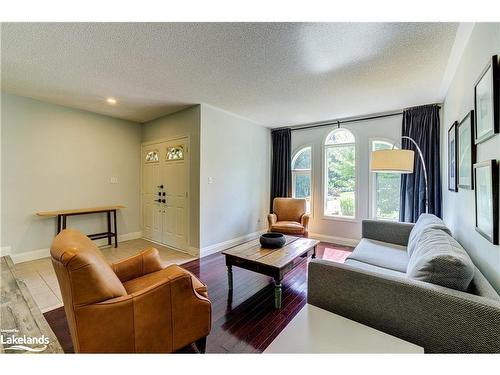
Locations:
column 439, row 259
column 381, row 254
column 424, row 222
column 372, row 268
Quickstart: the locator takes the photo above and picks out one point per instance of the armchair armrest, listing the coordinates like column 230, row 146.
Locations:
column 191, row 312
column 387, row 231
column 271, row 220
column 304, row 220
column 145, row 262
column 434, row 317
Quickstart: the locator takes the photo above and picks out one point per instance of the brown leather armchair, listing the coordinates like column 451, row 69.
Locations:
column 289, row 217
column 133, row 306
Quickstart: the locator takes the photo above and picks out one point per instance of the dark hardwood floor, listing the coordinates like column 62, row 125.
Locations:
column 248, row 322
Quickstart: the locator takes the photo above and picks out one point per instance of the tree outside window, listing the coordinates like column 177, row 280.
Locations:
column 385, row 189
column 340, row 174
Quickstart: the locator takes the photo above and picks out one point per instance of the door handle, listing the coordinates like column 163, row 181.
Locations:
column 158, row 200
column 160, row 186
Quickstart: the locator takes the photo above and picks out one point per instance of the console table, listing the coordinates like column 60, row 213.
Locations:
column 108, row 210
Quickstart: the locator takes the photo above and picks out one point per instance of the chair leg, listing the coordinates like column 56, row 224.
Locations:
column 201, row 344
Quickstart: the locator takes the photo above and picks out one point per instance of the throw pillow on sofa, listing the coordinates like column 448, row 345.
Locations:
column 425, row 221
column 439, row 259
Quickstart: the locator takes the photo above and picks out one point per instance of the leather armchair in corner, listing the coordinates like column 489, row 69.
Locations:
column 289, row 217
column 133, row 306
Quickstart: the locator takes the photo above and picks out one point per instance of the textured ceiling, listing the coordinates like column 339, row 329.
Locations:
column 272, row 73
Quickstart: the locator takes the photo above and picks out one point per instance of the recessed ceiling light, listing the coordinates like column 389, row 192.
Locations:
column 111, row 100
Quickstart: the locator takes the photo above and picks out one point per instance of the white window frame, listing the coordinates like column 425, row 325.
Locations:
column 325, row 176
column 303, row 172
column 372, row 182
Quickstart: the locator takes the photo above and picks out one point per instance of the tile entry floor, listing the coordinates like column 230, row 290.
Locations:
column 40, row 278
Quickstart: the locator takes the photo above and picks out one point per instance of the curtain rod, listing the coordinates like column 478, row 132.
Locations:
column 349, row 120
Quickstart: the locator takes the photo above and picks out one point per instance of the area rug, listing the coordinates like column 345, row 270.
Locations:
column 334, row 253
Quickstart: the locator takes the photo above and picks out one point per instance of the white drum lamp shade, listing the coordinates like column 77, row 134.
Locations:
column 392, row 161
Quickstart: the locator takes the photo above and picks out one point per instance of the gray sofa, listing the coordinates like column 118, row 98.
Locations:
column 414, row 282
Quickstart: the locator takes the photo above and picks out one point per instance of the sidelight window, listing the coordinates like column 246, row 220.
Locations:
column 301, row 176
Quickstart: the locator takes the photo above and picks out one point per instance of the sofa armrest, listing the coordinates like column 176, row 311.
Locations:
column 434, row 317
column 145, row 262
column 387, row 231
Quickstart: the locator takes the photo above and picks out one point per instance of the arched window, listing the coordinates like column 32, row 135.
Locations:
column 301, row 175
column 384, row 188
column 152, row 156
column 340, row 174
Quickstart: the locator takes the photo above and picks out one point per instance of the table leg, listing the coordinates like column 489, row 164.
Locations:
column 230, row 278
column 314, row 252
column 64, row 222
column 277, row 293
column 116, row 228
column 108, row 214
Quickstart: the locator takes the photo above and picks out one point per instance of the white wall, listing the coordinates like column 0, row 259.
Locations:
column 339, row 230
column 458, row 208
column 179, row 124
column 235, row 154
column 55, row 157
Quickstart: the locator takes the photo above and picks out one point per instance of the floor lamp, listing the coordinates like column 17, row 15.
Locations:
column 399, row 161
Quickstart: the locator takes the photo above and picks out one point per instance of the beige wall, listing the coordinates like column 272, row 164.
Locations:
column 235, row 156
column 458, row 208
column 179, row 124
column 55, row 157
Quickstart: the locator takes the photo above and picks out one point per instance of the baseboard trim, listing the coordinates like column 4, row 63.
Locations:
column 186, row 251
column 43, row 253
column 334, row 239
column 194, row 251
column 212, row 249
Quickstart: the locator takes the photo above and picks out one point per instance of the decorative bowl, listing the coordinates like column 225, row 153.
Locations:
column 272, row 240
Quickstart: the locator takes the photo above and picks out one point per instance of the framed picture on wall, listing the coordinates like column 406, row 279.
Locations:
column 487, row 102
column 486, row 197
column 452, row 158
column 466, row 154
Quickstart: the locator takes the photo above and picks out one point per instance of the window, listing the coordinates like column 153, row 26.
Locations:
column 301, row 176
column 175, row 153
column 152, row 156
column 385, row 187
column 340, row 174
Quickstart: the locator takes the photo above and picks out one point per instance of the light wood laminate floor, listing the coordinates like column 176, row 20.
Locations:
column 40, row 278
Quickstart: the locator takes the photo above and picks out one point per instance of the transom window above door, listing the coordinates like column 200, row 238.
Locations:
column 301, row 175
column 175, row 153
column 152, row 156
column 340, row 174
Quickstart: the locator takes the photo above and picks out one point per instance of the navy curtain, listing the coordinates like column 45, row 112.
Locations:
column 422, row 125
column 281, row 168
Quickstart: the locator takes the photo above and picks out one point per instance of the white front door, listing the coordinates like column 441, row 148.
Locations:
column 164, row 197
column 151, row 207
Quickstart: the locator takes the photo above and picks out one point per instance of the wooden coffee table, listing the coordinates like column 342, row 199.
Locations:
column 271, row 262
